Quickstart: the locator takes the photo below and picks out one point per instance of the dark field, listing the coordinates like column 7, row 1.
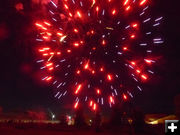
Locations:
column 55, row 129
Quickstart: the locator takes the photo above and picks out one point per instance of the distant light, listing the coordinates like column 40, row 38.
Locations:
column 53, row 116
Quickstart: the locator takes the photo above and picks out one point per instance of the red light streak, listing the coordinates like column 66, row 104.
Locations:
column 125, row 48
column 46, row 38
column 49, row 34
column 59, row 34
column 66, row 6
column 50, row 64
column 144, row 77
column 58, row 53
column 78, row 88
column 92, row 31
column 78, row 72
column 82, row 42
column 138, row 71
column 142, row 2
column 94, row 48
column 76, row 105
column 47, row 23
column 103, row 42
column 134, row 25
column 128, row 8
column 41, row 26
column 148, row 61
column 49, row 78
column 113, row 12
column 51, row 68
column 46, row 48
column 97, row 9
column 109, row 77
column 76, row 30
column 93, row 72
column 94, row 107
column 79, row 14
column 76, row 44
column 111, row 99
column 52, row 53
column 124, row 97
column 45, row 54
column 101, row 69
column 133, row 63
column 126, row 2
column 132, row 36
column 86, row 65
column 70, row 14
column 91, row 103
column 41, row 50
column 98, row 91
column 69, row 51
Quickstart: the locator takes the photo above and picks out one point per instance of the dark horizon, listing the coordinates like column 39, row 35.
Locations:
column 21, row 90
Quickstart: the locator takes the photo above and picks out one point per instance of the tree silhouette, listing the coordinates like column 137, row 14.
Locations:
column 79, row 118
column 138, row 120
column 177, row 106
column 116, row 116
column 97, row 121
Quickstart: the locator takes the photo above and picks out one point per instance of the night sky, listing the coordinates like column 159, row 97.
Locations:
column 20, row 88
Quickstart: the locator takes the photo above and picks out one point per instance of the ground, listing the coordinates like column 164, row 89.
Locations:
column 17, row 130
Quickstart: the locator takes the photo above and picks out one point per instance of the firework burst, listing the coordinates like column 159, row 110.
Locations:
column 99, row 51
